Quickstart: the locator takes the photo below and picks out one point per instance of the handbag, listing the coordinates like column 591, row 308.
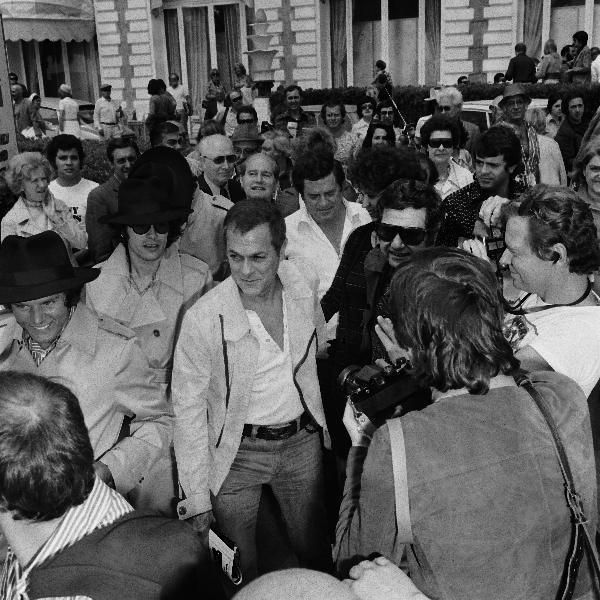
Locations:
column 581, row 539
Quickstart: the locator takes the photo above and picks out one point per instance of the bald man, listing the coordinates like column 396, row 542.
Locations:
column 260, row 175
column 203, row 234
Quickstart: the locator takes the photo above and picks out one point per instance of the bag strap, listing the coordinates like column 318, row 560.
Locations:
column 400, row 481
column 581, row 539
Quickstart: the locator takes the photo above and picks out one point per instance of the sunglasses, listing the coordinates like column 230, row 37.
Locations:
column 411, row 236
column 219, row 160
column 444, row 108
column 437, row 142
column 158, row 228
column 237, row 99
column 367, row 107
column 242, row 121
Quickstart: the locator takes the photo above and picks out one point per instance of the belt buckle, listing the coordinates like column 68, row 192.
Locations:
column 281, row 433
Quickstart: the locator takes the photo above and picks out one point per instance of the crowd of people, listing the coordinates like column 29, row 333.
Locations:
column 368, row 351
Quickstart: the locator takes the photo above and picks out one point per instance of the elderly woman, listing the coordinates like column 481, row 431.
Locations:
column 441, row 136
column 471, row 484
column 36, row 210
column 333, row 116
column 146, row 284
column 68, row 112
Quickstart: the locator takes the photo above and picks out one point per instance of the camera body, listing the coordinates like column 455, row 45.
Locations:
column 377, row 393
column 226, row 556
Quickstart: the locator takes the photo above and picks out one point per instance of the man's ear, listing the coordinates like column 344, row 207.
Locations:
column 511, row 169
column 282, row 251
column 374, row 239
column 560, row 255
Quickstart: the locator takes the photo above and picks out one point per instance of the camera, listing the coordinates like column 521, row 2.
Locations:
column 226, row 556
column 377, row 393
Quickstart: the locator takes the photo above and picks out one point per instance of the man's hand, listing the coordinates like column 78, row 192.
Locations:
column 477, row 248
column 491, row 210
column 201, row 524
column 103, row 472
column 357, row 436
column 385, row 332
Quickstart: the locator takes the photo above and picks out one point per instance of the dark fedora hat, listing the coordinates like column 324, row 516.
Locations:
column 172, row 169
column 144, row 202
column 38, row 266
column 512, row 90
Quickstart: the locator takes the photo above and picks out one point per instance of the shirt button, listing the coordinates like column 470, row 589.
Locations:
column 181, row 510
column 156, row 333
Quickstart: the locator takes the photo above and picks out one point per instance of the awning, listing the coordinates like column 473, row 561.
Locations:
column 52, row 29
column 55, row 20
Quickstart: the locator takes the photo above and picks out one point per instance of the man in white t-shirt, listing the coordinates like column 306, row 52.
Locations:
column 65, row 153
column 551, row 251
column 183, row 108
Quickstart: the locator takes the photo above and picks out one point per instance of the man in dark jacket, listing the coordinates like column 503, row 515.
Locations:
column 521, row 68
column 69, row 534
column 572, row 129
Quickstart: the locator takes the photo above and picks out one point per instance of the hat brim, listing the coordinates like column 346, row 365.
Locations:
column 506, row 98
column 162, row 216
column 24, row 293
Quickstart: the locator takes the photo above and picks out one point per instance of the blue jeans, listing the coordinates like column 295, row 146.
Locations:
column 293, row 468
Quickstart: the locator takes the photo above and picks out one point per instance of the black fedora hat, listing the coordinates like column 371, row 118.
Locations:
column 172, row 169
column 144, row 202
column 38, row 266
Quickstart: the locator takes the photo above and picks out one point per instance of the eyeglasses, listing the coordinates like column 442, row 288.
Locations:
column 158, row 228
column 411, row 236
column 445, row 108
column 437, row 142
column 219, row 160
column 367, row 107
column 241, row 121
column 386, row 113
column 236, row 99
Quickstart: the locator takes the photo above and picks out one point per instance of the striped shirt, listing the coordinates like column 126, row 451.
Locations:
column 101, row 508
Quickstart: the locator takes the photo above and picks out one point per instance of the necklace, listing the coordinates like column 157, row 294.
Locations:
column 516, row 309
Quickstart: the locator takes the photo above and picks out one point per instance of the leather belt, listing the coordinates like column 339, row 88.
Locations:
column 104, row 123
column 277, row 432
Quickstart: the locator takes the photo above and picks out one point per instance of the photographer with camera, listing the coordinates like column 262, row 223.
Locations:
column 472, row 483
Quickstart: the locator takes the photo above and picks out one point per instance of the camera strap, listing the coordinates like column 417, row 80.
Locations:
column 581, row 540
column 403, row 523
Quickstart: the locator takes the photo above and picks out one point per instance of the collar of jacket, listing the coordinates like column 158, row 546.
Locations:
column 235, row 320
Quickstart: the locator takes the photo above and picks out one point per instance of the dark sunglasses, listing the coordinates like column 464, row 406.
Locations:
column 219, row 160
column 236, row 99
column 158, row 227
column 437, row 142
column 411, row 236
column 444, row 108
column 367, row 107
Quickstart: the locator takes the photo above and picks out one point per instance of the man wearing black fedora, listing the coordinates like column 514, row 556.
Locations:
column 59, row 337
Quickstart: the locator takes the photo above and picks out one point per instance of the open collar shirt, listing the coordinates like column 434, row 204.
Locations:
column 102, row 507
column 307, row 242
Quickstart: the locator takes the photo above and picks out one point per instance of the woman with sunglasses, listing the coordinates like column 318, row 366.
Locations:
column 441, row 137
column 365, row 109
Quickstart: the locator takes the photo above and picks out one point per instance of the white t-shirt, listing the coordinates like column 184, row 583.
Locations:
column 75, row 196
column 179, row 93
column 567, row 338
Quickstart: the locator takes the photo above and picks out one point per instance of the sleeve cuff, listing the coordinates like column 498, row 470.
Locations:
column 194, row 505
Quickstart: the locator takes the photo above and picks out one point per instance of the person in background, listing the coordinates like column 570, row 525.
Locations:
column 228, row 116
column 365, row 109
column 292, row 117
column 68, row 112
column 463, row 80
column 555, row 116
column 162, row 106
column 549, row 68
column 63, row 519
column 242, row 82
column 166, row 133
column 37, row 210
column 387, row 114
column 122, row 152
column 573, row 127
column 580, row 67
column 247, row 114
column 333, row 115
column 536, row 117
column 383, row 79
column 258, row 176
column 521, row 68
column 372, row 91
column 215, row 94
column 277, row 145
column 33, row 124
column 586, row 177
column 379, row 134
column 20, row 104
column 499, row 78
column 65, row 153
column 411, row 487
column 246, row 141
column 183, row 102
column 440, row 135
column 13, row 78
column 107, row 113
column 595, row 66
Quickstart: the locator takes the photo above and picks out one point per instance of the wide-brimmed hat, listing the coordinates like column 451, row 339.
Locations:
column 144, row 202
column 105, row 87
column 172, row 169
column 38, row 266
column 246, row 132
column 512, row 90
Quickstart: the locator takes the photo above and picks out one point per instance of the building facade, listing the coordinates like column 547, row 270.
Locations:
column 317, row 43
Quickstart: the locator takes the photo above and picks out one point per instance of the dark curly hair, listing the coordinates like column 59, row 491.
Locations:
column 64, row 141
column 43, row 426
column 375, row 168
column 409, row 193
column 365, row 100
column 556, row 215
column 316, row 164
column 333, row 103
column 571, row 95
column 500, row 140
column 446, row 310
column 389, row 130
column 441, row 123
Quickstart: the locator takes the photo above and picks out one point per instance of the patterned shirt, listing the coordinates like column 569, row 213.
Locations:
column 101, row 508
column 37, row 352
